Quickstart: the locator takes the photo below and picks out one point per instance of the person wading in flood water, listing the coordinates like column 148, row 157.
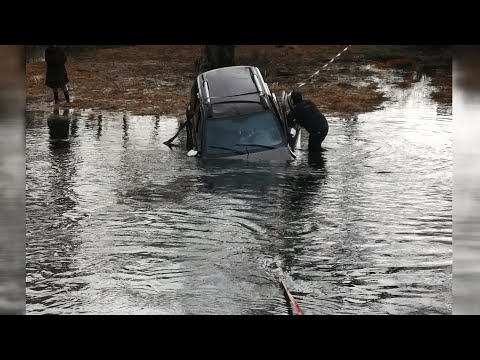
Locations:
column 306, row 114
column 56, row 76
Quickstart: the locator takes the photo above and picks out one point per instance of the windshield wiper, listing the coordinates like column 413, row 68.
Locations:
column 227, row 148
column 259, row 145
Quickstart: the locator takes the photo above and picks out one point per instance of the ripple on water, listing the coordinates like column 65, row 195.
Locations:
column 118, row 223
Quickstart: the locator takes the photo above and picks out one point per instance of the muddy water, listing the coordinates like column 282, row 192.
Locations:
column 118, row 223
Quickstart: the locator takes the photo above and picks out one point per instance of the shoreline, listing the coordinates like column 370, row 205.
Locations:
column 156, row 79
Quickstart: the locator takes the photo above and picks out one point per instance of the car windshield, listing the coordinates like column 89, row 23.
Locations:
column 246, row 133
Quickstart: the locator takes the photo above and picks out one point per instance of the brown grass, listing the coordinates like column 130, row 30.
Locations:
column 443, row 96
column 156, row 80
column 402, row 63
column 443, row 83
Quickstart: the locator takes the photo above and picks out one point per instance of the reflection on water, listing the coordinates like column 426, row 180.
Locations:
column 118, row 223
column 59, row 125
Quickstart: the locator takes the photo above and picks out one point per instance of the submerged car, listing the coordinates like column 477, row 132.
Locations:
column 232, row 114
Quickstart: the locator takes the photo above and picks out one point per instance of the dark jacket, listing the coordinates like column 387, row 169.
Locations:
column 307, row 115
column 56, row 72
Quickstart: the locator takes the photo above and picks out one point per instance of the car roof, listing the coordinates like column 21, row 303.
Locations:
column 231, row 91
column 235, row 109
column 230, row 81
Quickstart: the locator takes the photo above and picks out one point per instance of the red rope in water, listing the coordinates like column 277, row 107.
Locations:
column 290, row 296
column 292, row 300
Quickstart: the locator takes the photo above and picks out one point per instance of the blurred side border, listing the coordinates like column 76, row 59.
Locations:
column 12, row 180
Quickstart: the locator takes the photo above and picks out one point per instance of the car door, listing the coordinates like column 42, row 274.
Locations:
column 294, row 142
column 198, row 129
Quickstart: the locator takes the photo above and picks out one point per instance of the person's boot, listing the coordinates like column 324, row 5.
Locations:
column 55, row 96
column 67, row 97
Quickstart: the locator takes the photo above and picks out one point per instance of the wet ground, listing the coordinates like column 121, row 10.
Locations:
column 118, row 223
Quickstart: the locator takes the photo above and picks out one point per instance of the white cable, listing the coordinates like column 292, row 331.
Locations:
column 324, row 66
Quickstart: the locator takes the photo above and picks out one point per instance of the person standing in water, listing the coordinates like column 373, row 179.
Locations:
column 307, row 115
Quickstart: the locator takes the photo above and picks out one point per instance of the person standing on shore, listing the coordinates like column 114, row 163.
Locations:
column 56, row 77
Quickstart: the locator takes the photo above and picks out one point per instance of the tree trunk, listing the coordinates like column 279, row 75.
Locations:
column 34, row 52
column 216, row 56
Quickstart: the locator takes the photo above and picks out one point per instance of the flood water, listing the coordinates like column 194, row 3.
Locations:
column 118, row 223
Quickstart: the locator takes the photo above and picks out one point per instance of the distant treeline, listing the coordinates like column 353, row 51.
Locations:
column 36, row 52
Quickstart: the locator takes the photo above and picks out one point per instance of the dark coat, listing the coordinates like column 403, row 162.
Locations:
column 307, row 115
column 56, row 72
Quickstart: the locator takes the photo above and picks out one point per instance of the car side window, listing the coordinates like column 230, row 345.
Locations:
column 277, row 108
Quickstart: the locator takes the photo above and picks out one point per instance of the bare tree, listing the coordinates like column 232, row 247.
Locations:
column 216, row 56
